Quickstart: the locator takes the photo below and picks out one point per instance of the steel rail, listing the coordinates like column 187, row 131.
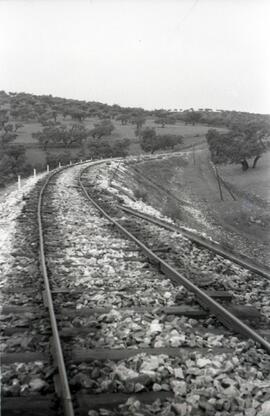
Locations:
column 244, row 261
column 223, row 315
column 59, row 357
column 65, row 391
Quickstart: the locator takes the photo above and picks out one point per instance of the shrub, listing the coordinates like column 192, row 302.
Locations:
column 140, row 194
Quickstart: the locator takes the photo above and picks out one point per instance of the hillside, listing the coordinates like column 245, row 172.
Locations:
column 41, row 130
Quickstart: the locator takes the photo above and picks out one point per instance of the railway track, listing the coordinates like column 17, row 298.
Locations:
column 125, row 336
column 240, row 259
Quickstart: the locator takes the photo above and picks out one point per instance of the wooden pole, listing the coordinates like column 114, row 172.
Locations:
column 219, row 184
column 19, row 182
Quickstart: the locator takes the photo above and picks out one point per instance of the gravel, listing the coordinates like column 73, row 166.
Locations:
column 86, row 253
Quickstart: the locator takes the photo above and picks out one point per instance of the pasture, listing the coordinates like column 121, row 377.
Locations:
column 253, row 181
column 192, row 135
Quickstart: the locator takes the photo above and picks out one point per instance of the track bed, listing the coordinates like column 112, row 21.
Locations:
column 135, row 341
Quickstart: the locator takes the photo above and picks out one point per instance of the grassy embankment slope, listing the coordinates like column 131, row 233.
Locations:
column 242, row 224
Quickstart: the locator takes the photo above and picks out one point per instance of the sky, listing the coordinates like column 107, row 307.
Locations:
column 140, row 53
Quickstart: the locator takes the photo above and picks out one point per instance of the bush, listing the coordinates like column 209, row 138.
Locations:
column 140, row 194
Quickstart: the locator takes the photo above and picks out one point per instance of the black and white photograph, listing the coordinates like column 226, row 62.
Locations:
column 135, row 207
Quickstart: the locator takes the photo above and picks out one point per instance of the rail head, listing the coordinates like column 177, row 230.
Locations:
column 58, row 352
column 240, row 260
column 222, row 314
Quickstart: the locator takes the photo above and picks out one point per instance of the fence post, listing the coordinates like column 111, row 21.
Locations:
column 48, row 168
column 19, row 182
column 219, row 185
column 70, row 162
column 59, row 165
column 193, row 153
column 81, row 161
column 35, row 173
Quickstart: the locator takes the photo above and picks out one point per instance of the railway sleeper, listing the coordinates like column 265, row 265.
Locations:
column 113, row 354
column 113, row 400
column 29, row 406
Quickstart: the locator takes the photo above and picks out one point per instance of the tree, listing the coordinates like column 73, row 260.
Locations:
column 138, row 121
column 18, row 126
column 61, row 136
column 3, row 117
column 242, row 142
column 148, row 140
column 192, row 117
column 53, row 159
column 120, row 148
column 101, row 129
column 168, row 141
column 77, row 114
column 12, row 162
column 98, row 149
column 7, row 137
column 76, row 135
column 163, row 120
column 124, row 118
column 50, row 135
column 8, row 127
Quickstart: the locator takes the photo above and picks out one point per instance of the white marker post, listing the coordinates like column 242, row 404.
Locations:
column 70, row 162
column 48, row 168
column 35, row 173
column 59, row 165
column 81, row 161
column 19, row 182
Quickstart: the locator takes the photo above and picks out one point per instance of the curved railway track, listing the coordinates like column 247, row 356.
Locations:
column 77, row 396
column 242, row 260
column 217, row 309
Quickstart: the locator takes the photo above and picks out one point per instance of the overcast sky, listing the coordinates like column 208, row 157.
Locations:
column 148, row 53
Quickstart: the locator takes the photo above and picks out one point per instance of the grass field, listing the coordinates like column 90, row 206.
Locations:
column 192, row 135
column 255, row 181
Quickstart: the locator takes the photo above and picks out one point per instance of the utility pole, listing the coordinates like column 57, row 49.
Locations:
column 219, row 184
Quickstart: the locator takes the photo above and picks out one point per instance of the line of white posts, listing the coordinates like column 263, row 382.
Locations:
column 35, row 173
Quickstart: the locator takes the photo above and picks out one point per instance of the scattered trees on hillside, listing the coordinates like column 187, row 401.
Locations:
column 57, row 136
column 191, row 117
column 163, row 120
column 241, row 143
column 151, row 142
column 124, row 118
column 25, row 107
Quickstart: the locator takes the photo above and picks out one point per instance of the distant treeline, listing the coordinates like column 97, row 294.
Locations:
column 25, row 107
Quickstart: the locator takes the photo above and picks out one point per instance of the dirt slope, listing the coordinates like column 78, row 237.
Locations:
column 243, row 223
